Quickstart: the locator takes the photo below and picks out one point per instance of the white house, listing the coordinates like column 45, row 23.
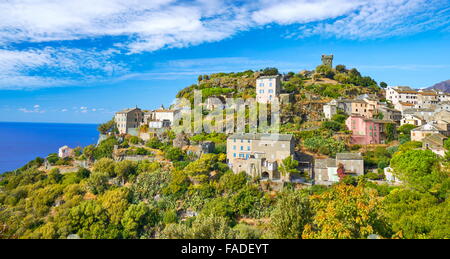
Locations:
column 267, row 88
column 65, row 151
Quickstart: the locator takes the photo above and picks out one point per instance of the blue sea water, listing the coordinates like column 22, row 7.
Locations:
column 21, row 142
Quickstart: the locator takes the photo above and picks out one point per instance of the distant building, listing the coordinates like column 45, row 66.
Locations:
column 413, row 120
column 418, row 134
column 326, row 170
column 65, row 151
column 267, row 88
column 128, row 119
column 162, row 114
column 390, row 176
column 327, row 60
column 427, row 99
column 367, row 131
column 259, row 155
column 402, row 94
column 435, row 143
column 390, row 114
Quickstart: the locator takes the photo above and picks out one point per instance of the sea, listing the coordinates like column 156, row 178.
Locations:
column 21, row 142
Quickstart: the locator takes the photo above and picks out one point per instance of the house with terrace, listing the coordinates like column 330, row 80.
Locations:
column 259, row 155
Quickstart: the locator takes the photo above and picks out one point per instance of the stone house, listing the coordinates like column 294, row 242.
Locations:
column 326, row 170
column 418, row 134
column 427, row 99
column 402, row 106
column 435, row 143
column 128, row 119
column 259, row 155
column 65, row 151
column 413, row 120
column 367, row 131
column 268, row 88
column 390, row 114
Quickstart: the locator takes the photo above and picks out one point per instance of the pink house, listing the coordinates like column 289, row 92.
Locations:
column 366, row 131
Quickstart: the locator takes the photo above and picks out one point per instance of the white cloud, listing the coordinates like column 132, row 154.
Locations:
column 64, row 110
column 36, row 109
column 135, row 26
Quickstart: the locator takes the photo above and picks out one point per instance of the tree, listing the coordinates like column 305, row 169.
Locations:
column 270, row 71
column 174, row 154
column 289, row 166
column 115, row 202
column 109, row 126
column 104, row 165
column 291, row 213
column 341, row 68
column 406, row 129
column 419, row 169
column 55, row 176
column 124, row 169
column 138, row 217
column 346, row 211
column 97, row 182
column 383, row 85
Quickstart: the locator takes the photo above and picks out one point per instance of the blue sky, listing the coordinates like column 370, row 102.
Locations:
column 79, row 61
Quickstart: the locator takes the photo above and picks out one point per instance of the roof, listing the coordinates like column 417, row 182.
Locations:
column 268, row 77
column 414, row 110
column 436, row 138
column 373, row 120
column 406, row 104
column 262, row 136
column 128, row 110
column 426, row 127
column 349, row 156
column 160, row 110
column 324, row 163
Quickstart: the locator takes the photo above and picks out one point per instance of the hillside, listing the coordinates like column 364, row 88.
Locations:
column 443, row 86
column 322, row 83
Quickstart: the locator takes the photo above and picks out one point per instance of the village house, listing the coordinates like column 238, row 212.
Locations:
column 402, row 106
column 425, row 113
column 65, row 152
column 435, row 143
column 129, row 119
column 413, row 120
column 418, row 134
column 443, row 106
column 390, row 114
column 427, row 99
column 162, row 114
column 326, row 170
column 363, row 108
column 259, row 155
column 267, row 88
column 441, row 116
column 402, row 94
column 366, row 131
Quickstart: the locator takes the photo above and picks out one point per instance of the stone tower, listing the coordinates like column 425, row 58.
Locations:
column 327, row 60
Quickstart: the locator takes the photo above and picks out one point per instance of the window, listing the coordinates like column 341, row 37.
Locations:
column 248, row 148
column 242, row 148
column 261, row 91
column 270, row 91
column 234, row 147
column 234, row 154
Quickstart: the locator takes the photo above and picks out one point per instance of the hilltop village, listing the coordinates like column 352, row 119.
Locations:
column 360, row 121
column 352, row 158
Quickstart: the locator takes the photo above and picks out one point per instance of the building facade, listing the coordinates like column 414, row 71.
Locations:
column 128, row 119
column 402, row 94
column 267, row 88
column 326, row 170
column 366, row 131
column 259, row 155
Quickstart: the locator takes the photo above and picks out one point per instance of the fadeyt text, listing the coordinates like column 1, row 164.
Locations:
column 228, row 249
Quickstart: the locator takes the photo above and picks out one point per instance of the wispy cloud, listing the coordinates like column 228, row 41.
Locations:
column 136, row 26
